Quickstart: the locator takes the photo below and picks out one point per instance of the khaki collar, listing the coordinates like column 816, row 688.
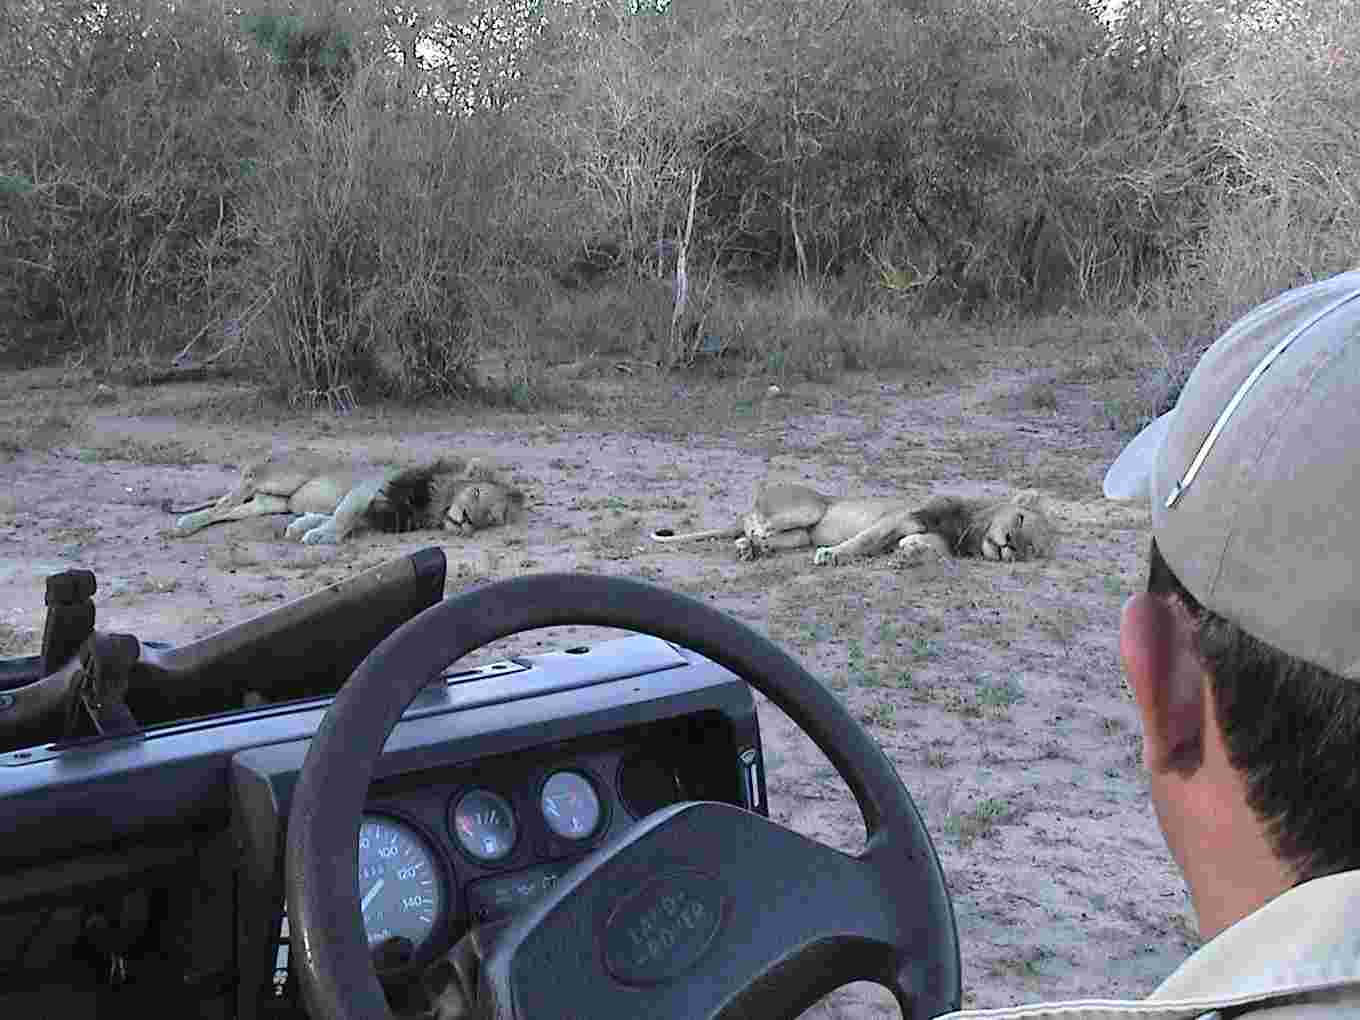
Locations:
column 1305, row 940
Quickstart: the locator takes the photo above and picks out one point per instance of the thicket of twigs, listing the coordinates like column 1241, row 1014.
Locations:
column 363, row 196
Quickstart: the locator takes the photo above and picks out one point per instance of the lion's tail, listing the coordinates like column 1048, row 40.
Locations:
column 168, row 507
column 668, row 536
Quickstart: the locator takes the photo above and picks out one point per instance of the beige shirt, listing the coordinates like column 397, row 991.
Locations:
column 1296, row 958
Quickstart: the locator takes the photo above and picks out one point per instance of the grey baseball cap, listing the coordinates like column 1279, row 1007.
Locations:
column 1253, row 475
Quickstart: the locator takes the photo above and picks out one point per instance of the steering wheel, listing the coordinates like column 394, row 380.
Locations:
column 700, row 910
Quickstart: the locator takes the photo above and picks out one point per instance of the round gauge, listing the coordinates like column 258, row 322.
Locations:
column 570, row 805
column 648, row 784
column 401, row 884
column 484, row 823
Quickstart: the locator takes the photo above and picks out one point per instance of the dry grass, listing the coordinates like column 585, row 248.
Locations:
column 136, row 450
column 38, row 434
column 15, row 641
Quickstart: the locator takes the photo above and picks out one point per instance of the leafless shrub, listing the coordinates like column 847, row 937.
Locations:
column 363, row 221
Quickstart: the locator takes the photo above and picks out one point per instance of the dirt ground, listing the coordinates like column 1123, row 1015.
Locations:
column 995, row 689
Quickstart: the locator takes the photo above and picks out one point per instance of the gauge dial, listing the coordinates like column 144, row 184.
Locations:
column 401, row 884
column 648, row 783
column 570, row 805
column 484, row 823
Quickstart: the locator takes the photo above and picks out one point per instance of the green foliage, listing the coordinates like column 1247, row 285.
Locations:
column 293, row 43
column 273, row 32
column 1002, row 694
column 306, row 54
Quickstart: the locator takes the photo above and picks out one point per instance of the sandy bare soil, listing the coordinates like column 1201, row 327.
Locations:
column 994, row 688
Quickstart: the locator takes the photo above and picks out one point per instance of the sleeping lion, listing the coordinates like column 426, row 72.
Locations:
column 793, row 516
column 333, row 500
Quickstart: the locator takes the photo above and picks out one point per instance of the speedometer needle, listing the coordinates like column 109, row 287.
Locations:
column 363, row 906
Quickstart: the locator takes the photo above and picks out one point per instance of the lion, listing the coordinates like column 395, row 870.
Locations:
column 792, row 516
column 333, row 501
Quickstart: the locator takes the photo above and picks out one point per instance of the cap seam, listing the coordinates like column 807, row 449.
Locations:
column 1267, row 440
column 1244, row 390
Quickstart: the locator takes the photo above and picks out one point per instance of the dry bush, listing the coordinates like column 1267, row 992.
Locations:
column 1267, row 96
column 1287, row 106
column 1282, row 106
column 624, row 317
column 794, row 331
column 122, row 144
column 368, row 223
column 859, row 178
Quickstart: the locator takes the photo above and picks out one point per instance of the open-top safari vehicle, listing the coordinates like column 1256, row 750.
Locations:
column 301, row 814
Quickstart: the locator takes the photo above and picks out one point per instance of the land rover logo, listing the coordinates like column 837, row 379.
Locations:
column 664, row 928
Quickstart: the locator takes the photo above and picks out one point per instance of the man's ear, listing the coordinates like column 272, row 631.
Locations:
column 1156, row 641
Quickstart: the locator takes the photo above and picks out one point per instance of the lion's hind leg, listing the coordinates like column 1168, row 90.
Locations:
column 783, row 517
column 259, row 505
column 753, row 547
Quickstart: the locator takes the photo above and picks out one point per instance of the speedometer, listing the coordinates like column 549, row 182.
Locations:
column 402, row 890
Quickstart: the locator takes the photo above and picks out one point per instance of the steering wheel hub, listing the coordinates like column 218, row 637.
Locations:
column 659, row 932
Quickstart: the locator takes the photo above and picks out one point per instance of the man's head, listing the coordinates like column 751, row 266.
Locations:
column 1244, row 655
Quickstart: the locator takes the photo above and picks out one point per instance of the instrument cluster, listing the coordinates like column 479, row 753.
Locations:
column 486, row 828
column 478, row 847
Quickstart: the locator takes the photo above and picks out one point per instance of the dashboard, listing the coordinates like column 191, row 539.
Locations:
column 495, row 782
column 450, row 848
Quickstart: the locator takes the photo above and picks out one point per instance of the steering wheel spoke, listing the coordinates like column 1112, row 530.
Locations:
column 705, row 910
column 702, row 910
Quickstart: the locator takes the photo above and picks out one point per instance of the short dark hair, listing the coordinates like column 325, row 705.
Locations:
column 1291, row 728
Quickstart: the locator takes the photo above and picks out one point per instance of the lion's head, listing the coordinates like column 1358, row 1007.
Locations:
column 1005, row 538
column 481, row 504
column 1017, row 530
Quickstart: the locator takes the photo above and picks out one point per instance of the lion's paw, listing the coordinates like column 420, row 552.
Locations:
column 998, row 553
column 321, row 535
column 913, row 550
column 990, row 550
column 911, row 556
column 826, row 556
column 301, row 525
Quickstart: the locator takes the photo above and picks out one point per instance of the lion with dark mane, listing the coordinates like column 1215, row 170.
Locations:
column 333, row 500
column 793, row 516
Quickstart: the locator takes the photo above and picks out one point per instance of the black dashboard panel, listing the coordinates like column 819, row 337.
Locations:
column 638, row 721
column 58, row 799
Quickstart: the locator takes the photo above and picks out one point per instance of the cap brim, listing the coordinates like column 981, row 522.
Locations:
column 1130, row 476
